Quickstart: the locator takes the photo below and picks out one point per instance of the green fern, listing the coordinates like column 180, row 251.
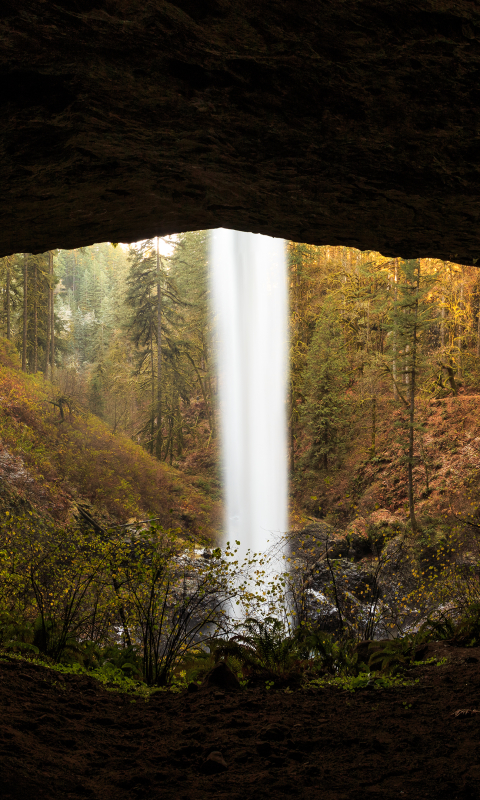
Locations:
column 264, row 647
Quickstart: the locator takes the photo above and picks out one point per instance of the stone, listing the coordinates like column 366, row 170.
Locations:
column 358, row 527
column 357, row 578
column 221, row 677
column 385, row 518
column 324, row 122
column 214, row 763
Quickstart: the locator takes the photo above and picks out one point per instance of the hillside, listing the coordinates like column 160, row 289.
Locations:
column 54, row 455
column 447, row 464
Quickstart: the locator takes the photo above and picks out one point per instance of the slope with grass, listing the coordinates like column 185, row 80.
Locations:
column 54, row 455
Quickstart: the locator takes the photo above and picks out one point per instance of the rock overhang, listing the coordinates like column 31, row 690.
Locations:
column 336, row 122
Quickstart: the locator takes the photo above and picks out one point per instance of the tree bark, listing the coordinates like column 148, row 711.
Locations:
column 413, row 375
column 35, row 321
column 48, row 325
column 442, row 318
column 9, row 332
column 74, row 271
column 52, row 315
column 292, row 431
column 374, row 428
column 158, row 443
column 478, row 333
column 152, row 367
column 461, row 328
column 25, row 312
column 395, row 345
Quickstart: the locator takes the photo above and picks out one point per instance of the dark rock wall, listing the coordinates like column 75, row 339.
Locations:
column 326, row 121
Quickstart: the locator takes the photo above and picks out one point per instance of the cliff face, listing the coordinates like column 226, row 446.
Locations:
column 326, row 121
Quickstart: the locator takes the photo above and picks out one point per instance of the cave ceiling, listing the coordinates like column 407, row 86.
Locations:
column 349, row 122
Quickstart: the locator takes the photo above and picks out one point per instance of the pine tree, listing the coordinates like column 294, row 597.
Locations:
column 410, row 317
column 144, row 282
column 325, row 380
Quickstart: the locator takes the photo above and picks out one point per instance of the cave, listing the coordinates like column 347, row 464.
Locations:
column 328, row 122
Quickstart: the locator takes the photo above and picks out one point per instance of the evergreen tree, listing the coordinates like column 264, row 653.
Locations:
column 144, row 281
column 410, row 317
column 325, row 380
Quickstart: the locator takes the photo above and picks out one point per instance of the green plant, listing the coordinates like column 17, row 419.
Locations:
column 263, row 647
column 395, row 656
column 16, row 634
column 171, row 611
column 127, row 659
column 362, row 681
column 329, row 655
column 467, row 629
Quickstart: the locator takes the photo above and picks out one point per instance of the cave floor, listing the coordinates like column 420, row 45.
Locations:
column 68, row 737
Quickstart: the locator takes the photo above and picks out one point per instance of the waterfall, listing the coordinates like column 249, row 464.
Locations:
column 249, row 303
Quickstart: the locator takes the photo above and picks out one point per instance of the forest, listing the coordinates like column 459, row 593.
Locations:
column 114, row 345
column 126, row 333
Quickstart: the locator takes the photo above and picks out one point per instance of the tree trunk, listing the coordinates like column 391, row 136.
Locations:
column 478, row 333
column 158, row 443
column 52, row 315
column 49, row 314
column 373, row 445
column 152, row 424
column 395, row 345
column 292, row 432
column 461, row 328
column 35, row 321
column 413, row 375
column 442, row 319
column 9, row 332
column 74, row 271
column 25, row 312
column 406, row 375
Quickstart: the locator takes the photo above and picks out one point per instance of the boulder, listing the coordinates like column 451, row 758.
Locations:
column 356, row 578
column 214, row 763
column 385, row 519
column 358, row 527
column 221, row 677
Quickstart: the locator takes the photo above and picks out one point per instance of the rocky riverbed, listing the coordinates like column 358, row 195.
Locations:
column 374, row 577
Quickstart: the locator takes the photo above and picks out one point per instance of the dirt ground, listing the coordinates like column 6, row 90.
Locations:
column 68, row 737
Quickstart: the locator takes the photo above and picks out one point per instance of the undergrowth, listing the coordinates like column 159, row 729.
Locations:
column 78, row 452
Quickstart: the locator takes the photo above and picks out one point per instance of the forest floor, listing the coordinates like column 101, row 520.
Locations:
column 67, row 736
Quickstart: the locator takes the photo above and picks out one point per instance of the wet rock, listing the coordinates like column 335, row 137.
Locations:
column 359, row 545
column 214, row 764
column 315, row 542
column 322, row 611
column 221, row 677
column 356, row 578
